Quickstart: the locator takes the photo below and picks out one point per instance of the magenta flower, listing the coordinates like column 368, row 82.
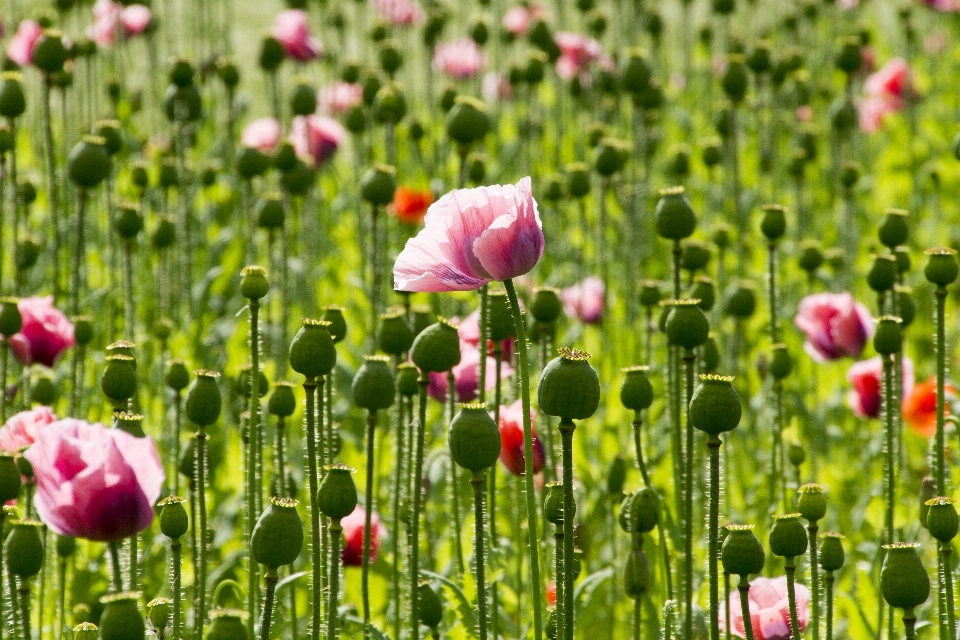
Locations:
column 399, row 13
column 20, row 48
column 577, row 52
column 352, row 552
column 92, row 482
column 466, row 376
column 293, row 33
column 835, row 324
column 769, row 609
column 866, row 377
column 262, row 134
column 461, row 59
column 511, row 440
column 470, row 237
column 584, row 301
column 885, row 91
column 317, row 137
column 338, row 97
column 21, row 431
column 46, row 332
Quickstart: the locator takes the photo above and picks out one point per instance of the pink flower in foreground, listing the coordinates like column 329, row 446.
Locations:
column 318, row 137
column 511, row 440
column 466, row 376
column 577, row 52
column 769, row 609
column 835, row 324
column 262, row 134
column 20, row 48
column 584, row 301
column 866, row 377
column 293, row 33
column 399, row 13
column 339, row 96
column 46, row 332
column 461, row 59
column 92, row 482
column 352, row 553
column 470, row 237
column 21, row 430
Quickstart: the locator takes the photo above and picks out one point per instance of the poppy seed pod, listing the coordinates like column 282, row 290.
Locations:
column 49, row 52
column 128, row 221
column 253, row 282
column 904, row 262
column 270, row 213
column 118, row 380
column 394, row 335
column 203, row 399
column 467, row 121
column 312, row 352
column 811, row 256
column 390, row 104
column 569, row 387
column 578, row 179
column 109, row 130
column 540, row 36
column 278, row 534
column 24, row 548
column 644, row 510
column 373, row 386
column 649, row 293
column 437, row 348
column 759, row 60
column 616, row 476
column 391, row 59
column 553, row 188
column 546, row 306
column 636, row 392
column 675, row 217
column 123, row 348
column 407, row 375
column 338, row 324
column 636, row 574
column 243, row 384
column 43, row 391
column 788, row 538
column 553, row 503
column 303, row 99
column 711, row 152
column 337, row 495
column 904, row 582
column 86, row 631
column 849, row 174
column 735, row 79
column 703, row 290
column 11, row 321
column 888, row 338
column 906, row 305
column 159, row 611
column 720, row 235
column 66, row 546
column 228, row 72
column 710, row 356
column 121, row 618
column 165, row 233
column 849, row 58
column 89, row 163
column 173, row 517
column 177, row 377
column 883, row 273
column 831, row 551
column 131, row 423
column 377, row 184
column 182, row 103
column 742, row 301
column 610, row 156
column 251, row 162
column 271, row 54
column 635, row 74
column 13, row 102
column 474, row 438
column 429, row 606
column 715, row 405
column 687, row 325
column 941, row 268
column 298, row 180
column 285, row 156
column 282, row 401
column 774, row 222
column 811, row 503
column 10, row 479
column 227, row 624
column 781, row 364
column 942, row 520
column 894, row 229
column 741, row 553
column 696, row 256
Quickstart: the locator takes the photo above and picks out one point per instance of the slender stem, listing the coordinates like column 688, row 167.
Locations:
column 368, row 508
column 726, row 599
column 129, row 311
column 14, row 603
column 945, row 551
column 812, row 530
column 310, row 387
column 79, row 256
column 533, row 539
column 201, row 579
column 479, row 550
column 25, row 607
column 454, row 478
column 567, row 428
column 688, row 360
column 332, row 617
column 713, row 444
column 4, row 357
column 636, row 618
column 484, row 336
column 134, row 563
column 61, row 599
column 270, row 579
column 115, row 566
column 253, row 447
column 399, row 460
column 175, row 548
column 791, row 596
column 888, row 411
column 559, row 561
column 417, row 489
column 49, row 156
column 375, row 268
column 744, row 587
column 637, row 424
column 829, row 596
column 602, row 242
column 909, row 623
column 941, row 295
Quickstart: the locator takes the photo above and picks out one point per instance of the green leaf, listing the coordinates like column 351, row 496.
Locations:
column 290, row 579
column 468, row 617
column 587, row 586
column 375, row 633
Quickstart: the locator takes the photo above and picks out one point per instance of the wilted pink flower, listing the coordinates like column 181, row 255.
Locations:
column 517, row 19
column 584, row 301
column 92, row 482
column 20, row 48
column 942, row 5
column 769, row 609
column 835, row 324
column 511, row 440
column 473, row 236
column 293, row 33
column 316, row 136
column 21, row 430
column 399, row 13
column 339, row 96
column 45, row 334
column 352, row 553
column 496, row 86
column 577, row 52
column 466, row 376
column 262, row 134
column 461, row 59
column 866, row 377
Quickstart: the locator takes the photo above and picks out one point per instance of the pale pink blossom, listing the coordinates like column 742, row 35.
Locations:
column 942, row 5
column 805, row 113
column 769, row 609
column 45, row 334
column 292, row 31
column 517, row 19
column 317, row 137
column 496, row 86
column 111, row 19
column 866, row 377
column 353, row 525
column 135, row 19
column 848, row 4
column 20, row 48
column 470, row 333
column 262, row 134
column 461, row 59
column 835, row 325
column 466, row 376
column 584, row 300
column 400, row 13
column 577, row 53
column 21, row 430
column 338, row 97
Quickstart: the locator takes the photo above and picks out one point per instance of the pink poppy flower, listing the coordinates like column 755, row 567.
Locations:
column 577, row 52
column 892, row 81
column 113, row 18
column 20, row 48
column 866, row 377
column 21, row 430
column 399, row 13
column 45, row 334
column 835, row 324
column 92, row 482
column 470, row 333
column 470, row 237
column 584, row 301
column 805, row 113
column 293, row 33
column 466, row 376
column 352, row 552
column 318, row 137
column 769, row 609
column 496, row 86
column 848, row 4
column 135, row 19
column 460, row 59
column 511, row 440
column 338, row 97
column 262, row 134
column 942, row 5
column 517, row 19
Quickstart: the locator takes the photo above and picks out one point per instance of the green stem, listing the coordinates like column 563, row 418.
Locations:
column 254, row 435
column 744, row 588
column 416, row 485
column 726, row 599
column 713, row 444
column 636, row 618
column 368, row 508
column 399, row 458
column 332, row 617
column 454, row 478
column 375, row 268
column 812, row 530
column 533, row 540
column 909, row 623
column 78, row 254
column 50, row 157
column 479, row 550
column 941, row 295
column 175, row 454
column 791, row 597
column 61, row 599
column 567, row 428
column 829, row 596
column 14, row 603
column 25, row 607
column 310, row 388
column 688, row 360
column 175, row 547
column 201, row 579
column 888, row 411
column 602, row 243
column 637, row 424
column 4, row 358
column 558, row 538
column 134, row 563
column 945, row 551
column 270, row 579
column 115, row 566
column 484, row 336
column 128, row 303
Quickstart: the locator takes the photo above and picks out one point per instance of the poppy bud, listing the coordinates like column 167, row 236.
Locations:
column 611, row 156
column 11, row 321
column 675, row 217
column 177, row 377
column 338, row 324
column 715, row 405
column 227, row 624
column 644, row 511
column 10, row 480
column 774, row 223
column 12, row 100
column 24, row 549
column 437, row 348
column 476, row 167
column 253, row 283
column 270, row 214
column 159, row 611
column 553, row 503
column 546, row 306
column 811, row 256
column 303, row 99
column 636, row 392
column 904, row 582
column 467, row 121
column 831, row 551
column 649, row 293
column 735, row 79
column 941, row 268
column 390, row 104
column 742, row 301
column 89, row 163
column 121, row 619
column 474, row 438
column 811, row 503
column 251, row 162
column 883, row 273
column 66, row 546
column 407, row 375
column 569, row 387
column 228, row 72
column 942, row 520
column 373, row 386
column 129, row 221
column 703, row 291
column 337, row 495
column 377, row 184
column 788, row 538
column 278, row 534
column 164, row 233
column 203, row 399
column 687, row 325
column 312, row 352
column 616, row 476
column 780, row 362
column 173, row 517
column 695, row 257
column 118, row 380
column 636, row 574
column 741, row 553
column 888, row 338
column 578, row 179
column 635, row 74
column 429, row 606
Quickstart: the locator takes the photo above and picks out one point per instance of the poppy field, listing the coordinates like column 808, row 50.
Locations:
column 403, row 319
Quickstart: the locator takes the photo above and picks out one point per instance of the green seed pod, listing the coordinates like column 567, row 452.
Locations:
column 546, row 306
column 121, row 618
column 474, row 438
column 849, row 57
column 788, row 538
column 86, row 631
column 377, row 184
column 251, row 162
column 831, row 551
column 578, row 179
column 298, row 180
column 759, row 61
column 278, row 535
column 110, row 131
column 894, row 228
column 695, row 257
column 270, row 213
column 781, row 364
column 675, row 217
column 285, row 156
column 649, row 293
column 904, row 262
column 429, row 608
column 131, row 423
column 129, row 221
column 610, row 156
column 569, row 387
column 253, row 283
column 228, row 72
column 282, row 401
column 741, row 553
column 616, row 476
column 24, row 548
column 811, row 256
column 66, row 546
column 407, row 375
column 774, row 223
column 636, row 392
column 337, row 495
column 942, row 520
column 644, row 510
column 906, row 305
column 735, row 79
column 883, row 273
column 303, row 99
column 227, row 624
column 635, row 72
column 391, row 57
column 811, row 503
column 160, row 612
column 553, row 188
column 710, row 358
column 636, row 574
column 715, row 405
column 11, row 321
column 437, row 348
column 49, row 53
column 182, row 103
column 553, row 503
column 177, row 377
column 338, row 324
column 742, row 300
column 371, row 86
column 173, row 517
column 849, row 173
column 390, row 104
column 10, row 479
column 374, row 387
column 888, row 338
column 467, row 121
column 25, row 468
column 796, row 454
column 271, row 54
column 181, row 72
column 941, row 268
column 422, row 318
column 118, row 380
column 164, row 233
column 203, row 398
column 89, row 163
column 500, row 317
column 312, row 352
column 187, row 459
column 904, row 582
column 542, row 38
column 123, row 348
column 703, row 290
column 687, row 325
column 13, row 102
column 28, row 192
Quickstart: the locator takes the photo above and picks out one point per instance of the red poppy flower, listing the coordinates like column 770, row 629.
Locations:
column 920, row 407
column 410, row 205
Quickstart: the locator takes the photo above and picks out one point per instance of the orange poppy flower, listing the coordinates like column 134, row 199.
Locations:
column 410, row 205
column 920, row 407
